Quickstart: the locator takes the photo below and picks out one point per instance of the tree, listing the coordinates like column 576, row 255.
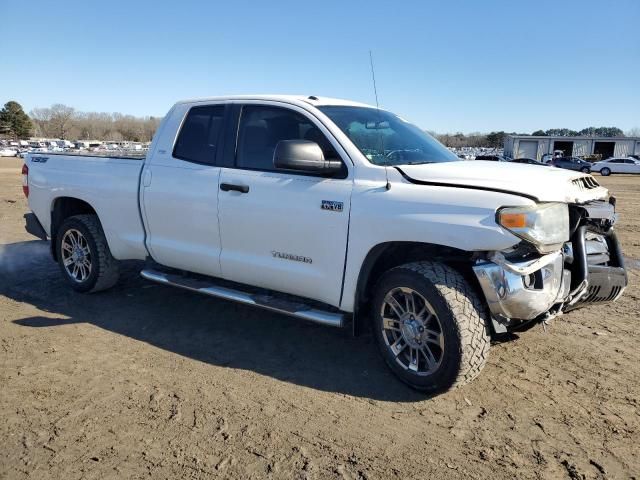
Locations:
column 42, row 119
column 539, row 133
column 561, row 132
column 14, row 122
column 61, row 116
column 496, row 139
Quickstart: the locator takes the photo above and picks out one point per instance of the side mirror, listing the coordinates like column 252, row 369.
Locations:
column 303, row 156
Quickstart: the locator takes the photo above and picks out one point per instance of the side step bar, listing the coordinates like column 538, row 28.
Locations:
column 266, row 301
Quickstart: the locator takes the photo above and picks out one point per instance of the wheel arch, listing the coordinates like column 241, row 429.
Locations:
column 387, row 255
column 63, row 208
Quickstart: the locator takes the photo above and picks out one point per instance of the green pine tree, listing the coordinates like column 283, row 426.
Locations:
column 14, row 122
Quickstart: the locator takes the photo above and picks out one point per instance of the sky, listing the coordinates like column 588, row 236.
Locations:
column 447, row 66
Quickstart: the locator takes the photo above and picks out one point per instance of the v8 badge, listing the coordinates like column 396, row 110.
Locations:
column 331, row 205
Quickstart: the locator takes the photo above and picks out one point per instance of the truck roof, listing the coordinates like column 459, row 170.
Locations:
column 295, row 99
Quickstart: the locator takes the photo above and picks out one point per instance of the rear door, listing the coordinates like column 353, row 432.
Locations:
column 616, row 165
column 179, row 192
column 283, row 230
column 629, row 166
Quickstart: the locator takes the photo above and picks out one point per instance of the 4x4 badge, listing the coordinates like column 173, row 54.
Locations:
column 331, row 205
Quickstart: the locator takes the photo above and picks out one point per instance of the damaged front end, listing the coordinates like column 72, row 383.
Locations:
column 522, row 286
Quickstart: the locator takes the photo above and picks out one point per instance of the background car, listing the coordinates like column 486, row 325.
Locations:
column 8, row 152
column 529, row 161
column 616, row 165
column 572, row 163
column 493, row 158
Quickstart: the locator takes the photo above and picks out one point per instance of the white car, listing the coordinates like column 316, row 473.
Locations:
column 295, row 205
column 8, row 152
column 25, row 153
column 616, row 165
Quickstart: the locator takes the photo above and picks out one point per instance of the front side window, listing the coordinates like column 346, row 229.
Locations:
column 200, row 134
column 386, row 139
column 261, row 128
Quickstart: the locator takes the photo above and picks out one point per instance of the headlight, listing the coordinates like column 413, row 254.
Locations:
column 545, row 225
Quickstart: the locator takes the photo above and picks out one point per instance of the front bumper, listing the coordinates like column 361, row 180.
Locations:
column 523, row 290
column 567, row 279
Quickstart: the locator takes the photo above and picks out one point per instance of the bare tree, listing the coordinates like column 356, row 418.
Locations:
column 60, row 122
column 41, row 118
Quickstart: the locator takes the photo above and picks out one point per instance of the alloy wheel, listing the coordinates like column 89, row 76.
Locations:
column 76, row 255
column 412, row 331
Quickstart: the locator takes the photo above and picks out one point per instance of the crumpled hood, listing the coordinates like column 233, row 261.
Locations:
column 546, row 184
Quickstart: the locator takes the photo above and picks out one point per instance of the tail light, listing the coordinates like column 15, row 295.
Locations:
column 25, row 180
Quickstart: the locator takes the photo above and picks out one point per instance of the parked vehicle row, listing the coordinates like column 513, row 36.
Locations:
column 628, row 165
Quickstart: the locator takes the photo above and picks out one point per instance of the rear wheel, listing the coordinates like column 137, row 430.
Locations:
column 84, row 256
column 430, row 326
column 605, row 172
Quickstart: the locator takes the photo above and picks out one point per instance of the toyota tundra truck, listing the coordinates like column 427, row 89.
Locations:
column 338, row 213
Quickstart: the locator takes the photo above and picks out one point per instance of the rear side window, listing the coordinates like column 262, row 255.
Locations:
column 200, row 134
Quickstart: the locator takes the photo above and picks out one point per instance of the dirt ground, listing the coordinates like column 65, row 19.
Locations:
column 149, row 381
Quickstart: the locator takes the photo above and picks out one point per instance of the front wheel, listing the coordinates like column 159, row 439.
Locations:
column 430, row 326
column 84, row 256
column 605, row 172
column 585, row 170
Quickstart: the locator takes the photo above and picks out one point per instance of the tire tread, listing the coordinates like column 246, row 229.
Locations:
column 108, row 271
column 468, row 310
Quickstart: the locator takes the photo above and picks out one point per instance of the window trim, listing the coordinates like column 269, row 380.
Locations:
column 219, row 141
column 235, row 132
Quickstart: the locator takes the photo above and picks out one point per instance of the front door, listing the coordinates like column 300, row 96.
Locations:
column 282, row 230
column 180, row 193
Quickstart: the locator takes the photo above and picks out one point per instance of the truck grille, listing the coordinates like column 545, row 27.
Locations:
column 586, row 183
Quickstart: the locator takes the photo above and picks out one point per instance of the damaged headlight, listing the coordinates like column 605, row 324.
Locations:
column 545, row 225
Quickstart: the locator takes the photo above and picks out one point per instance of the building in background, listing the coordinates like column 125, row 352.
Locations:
column 528, row 146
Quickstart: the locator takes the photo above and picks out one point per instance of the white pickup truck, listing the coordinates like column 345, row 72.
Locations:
column 336, row 212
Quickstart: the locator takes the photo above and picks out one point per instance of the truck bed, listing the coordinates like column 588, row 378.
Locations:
column 108, row 183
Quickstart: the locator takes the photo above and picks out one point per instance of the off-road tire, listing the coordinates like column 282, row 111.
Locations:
column 104, row 268
column 462, row 315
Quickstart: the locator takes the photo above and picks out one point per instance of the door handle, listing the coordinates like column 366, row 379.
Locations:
column 225, row 187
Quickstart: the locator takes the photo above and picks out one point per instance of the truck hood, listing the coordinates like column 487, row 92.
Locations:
column 544, row 184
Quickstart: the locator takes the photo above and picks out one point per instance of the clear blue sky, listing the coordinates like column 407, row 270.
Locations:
column 447, row 66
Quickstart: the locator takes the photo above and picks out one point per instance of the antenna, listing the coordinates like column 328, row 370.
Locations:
column 375, row 91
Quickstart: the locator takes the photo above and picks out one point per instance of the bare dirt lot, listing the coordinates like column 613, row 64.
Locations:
column 149, row 381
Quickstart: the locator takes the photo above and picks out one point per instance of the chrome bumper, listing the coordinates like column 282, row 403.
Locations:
column 523, row 290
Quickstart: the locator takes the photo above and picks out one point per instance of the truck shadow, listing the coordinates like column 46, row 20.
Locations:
column 209, row 330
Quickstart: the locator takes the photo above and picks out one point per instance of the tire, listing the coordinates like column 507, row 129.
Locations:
column 585, row 170
column 102, row 270
column 458, row 353
column 605, row 172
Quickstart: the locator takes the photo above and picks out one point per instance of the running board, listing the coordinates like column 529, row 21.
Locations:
column 266, row 301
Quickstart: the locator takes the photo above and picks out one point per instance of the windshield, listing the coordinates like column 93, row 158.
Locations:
column 386, row 139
